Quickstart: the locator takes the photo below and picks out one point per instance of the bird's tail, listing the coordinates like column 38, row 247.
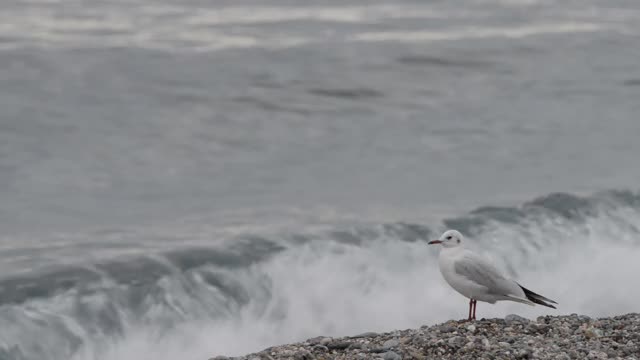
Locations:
column 537, row 298
column 520, row 300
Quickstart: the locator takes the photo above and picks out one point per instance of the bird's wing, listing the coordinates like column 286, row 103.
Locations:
column 482, row 272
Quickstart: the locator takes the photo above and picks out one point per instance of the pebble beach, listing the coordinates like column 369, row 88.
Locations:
column 514, row 337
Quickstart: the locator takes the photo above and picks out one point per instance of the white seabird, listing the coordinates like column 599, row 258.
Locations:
column 477, row 278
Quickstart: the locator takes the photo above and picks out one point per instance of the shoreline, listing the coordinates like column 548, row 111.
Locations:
column 514, row 337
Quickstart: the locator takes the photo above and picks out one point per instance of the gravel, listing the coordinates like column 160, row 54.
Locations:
column 547, row 337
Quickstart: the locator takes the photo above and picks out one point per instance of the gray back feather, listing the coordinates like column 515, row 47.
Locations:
column 482, row 272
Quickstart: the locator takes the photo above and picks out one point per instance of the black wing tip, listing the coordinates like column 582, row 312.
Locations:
column 545, row 304
column 537, row 298
column 541, row 302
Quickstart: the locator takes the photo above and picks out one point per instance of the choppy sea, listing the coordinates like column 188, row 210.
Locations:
column 182, row 179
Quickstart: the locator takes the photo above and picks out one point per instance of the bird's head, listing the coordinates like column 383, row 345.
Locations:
column 450, row 238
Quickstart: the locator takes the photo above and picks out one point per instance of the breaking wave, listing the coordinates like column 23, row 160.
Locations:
column 256, row 290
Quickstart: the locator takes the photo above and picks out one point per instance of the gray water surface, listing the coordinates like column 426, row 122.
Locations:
column 121, row 112
column 183, row 179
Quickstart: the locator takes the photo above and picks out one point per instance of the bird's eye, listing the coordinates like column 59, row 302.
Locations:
column 448, row 237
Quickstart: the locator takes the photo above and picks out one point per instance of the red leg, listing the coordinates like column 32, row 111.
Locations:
column 475, row 303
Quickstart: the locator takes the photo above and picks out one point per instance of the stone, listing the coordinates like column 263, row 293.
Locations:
column 486, row 344
column 338, row 345
column 320, row 348
column 304, row 355
column 513, row 318
column 390, row 355
column 414, row 354
column 522, row 354
column 592, row 332
column 456, row 341
column 288, row 352
column 364, row 335
column 597, row 355
column 447, row 329
column 315, row 340
column 389, row 344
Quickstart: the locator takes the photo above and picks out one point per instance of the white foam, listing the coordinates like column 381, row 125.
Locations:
column 346, row 14
column 328, row 288
column 215, row 28
column 476, row 32
column 201, row 28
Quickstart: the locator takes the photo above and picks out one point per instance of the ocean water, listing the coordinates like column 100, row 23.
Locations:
column 180, row 180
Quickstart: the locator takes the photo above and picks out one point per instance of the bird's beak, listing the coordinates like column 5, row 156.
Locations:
column 434, row 242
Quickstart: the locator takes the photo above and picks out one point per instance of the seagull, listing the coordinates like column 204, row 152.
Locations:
column 477, row 278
